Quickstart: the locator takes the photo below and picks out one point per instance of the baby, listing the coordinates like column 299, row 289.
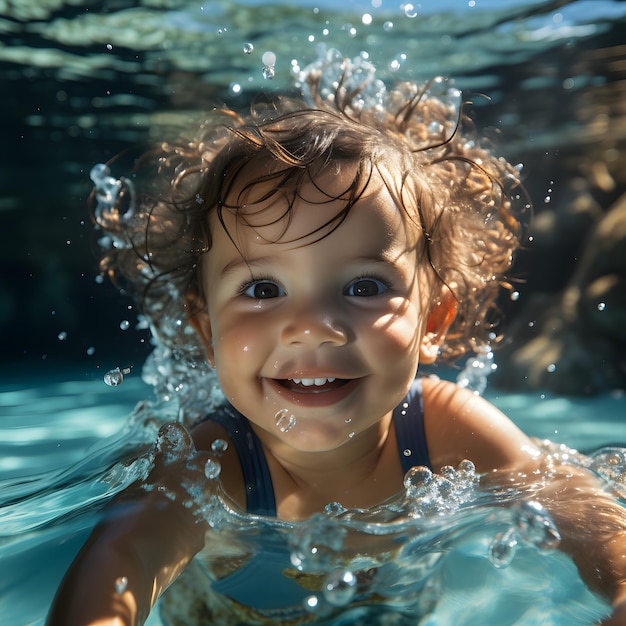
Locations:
column 326, row 247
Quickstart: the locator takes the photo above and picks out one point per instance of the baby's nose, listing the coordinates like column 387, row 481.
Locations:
column 313, row 331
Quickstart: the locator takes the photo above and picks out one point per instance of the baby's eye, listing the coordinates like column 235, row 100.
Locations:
column 366, row 287
column 263, row 289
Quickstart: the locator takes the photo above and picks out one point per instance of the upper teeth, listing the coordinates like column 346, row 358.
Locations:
column 308, row 382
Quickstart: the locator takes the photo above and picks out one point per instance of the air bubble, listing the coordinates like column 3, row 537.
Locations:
column 172, row 438
column 285, row 421
column 339, row 587
column 311, row 603
column 410, row 10
column 62, row 336
column 418, row 476
column 551, row 368
column 121, row 585
column 601, row 306
column 334, row 508
column 234, row 89
column 388, row 26
column 212, row 469
column 91, row 351
column 269, row 58
column 248, row 48
column 503, row 548
column 268, row 72
column 124, row 324
column 115, row 377
column 514, row 296
column 219, row 446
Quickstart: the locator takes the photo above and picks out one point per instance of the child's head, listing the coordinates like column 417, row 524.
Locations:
column 454, row 194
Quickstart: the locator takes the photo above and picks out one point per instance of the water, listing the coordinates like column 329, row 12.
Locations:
column 89, row 80
column 460, row 547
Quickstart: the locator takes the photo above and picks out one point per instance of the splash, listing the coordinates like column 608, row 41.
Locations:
column 477, row 369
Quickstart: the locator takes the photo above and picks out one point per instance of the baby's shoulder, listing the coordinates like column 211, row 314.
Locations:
column 461, row 425
column 211, row 436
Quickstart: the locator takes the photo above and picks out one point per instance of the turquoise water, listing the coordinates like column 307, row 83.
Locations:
column 95, row 79
column 60, row 439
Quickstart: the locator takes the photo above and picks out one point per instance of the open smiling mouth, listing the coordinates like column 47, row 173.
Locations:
column 312, row 385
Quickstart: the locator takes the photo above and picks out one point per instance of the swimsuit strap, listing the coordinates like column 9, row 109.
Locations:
column 256, row 474
column 408, row 418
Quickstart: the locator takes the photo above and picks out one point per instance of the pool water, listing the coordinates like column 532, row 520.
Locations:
column 59, row 441
column 85, row 81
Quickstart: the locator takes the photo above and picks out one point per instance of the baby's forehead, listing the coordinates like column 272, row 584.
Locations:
column 313, row 209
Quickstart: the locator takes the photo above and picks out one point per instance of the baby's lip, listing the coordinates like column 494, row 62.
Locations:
column 318, row 384
column 327, row 394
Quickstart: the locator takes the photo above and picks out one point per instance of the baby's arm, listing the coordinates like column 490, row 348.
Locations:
column 592, row 523
column 145, row 540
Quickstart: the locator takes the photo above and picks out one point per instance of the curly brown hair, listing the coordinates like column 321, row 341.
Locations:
column 454, row 189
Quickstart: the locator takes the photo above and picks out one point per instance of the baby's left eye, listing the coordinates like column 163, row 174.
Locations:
column 366, row 287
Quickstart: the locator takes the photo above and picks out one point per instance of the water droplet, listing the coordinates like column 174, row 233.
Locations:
column 173, row 439
column 219, row 446
column 311, row 603
column 269, row 58
column 114, row 377
column 339, row 587
column 334, row 508
column 503, row 549
column 248, row 48
column 466, row 466
column 212, row 469
column 410, row 10
column 121, row 584
column 62, row 336
column 124, row 324
column 285, row 420
column 417, row 476
column 601, row 306
column 536, row 526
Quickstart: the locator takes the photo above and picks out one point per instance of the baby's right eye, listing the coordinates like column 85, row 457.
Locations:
column 263, row 289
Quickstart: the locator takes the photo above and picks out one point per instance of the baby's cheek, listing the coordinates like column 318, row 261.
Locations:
column 238, row 346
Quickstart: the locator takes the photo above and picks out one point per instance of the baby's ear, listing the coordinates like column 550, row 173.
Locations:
column 198, row 317
column 440, row 318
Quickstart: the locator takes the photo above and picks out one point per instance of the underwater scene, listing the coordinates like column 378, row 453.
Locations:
column 93, row 395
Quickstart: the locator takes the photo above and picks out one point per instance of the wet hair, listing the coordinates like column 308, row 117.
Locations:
column 460, row 196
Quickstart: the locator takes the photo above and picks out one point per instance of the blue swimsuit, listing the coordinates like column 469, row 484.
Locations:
column 260, row 582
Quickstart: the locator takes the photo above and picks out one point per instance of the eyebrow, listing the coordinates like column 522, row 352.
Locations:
column 237, row 264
